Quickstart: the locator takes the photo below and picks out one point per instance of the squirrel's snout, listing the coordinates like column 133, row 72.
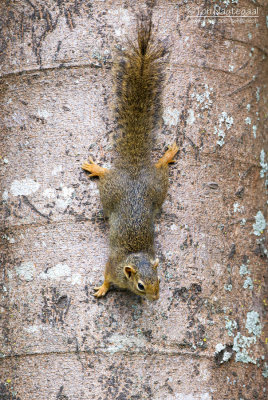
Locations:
column 153, row 297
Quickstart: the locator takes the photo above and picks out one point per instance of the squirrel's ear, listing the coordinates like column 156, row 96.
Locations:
column 155, row 263
column 129, row 271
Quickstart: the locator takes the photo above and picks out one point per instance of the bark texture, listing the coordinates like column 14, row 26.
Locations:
column 205, row 338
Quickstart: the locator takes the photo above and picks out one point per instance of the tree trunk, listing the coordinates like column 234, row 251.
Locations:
column 204, row 339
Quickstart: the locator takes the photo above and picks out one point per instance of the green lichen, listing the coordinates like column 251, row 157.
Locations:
column 25, row 271
column 228, row 288
column 241, row 346
column 243, row 270
column 265, row 370
column 241, row 343
column 230, row 325
column 225, row 123
column 226, row 356
column 248, row 283
column 263, row 164
column 258, row 89
column 260, row 224
column 253, row 324
column 102, row 58
column 219, row 347
column 204, row 101
column 238, row 208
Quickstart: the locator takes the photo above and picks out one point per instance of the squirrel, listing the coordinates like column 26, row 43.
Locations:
column 133, row 191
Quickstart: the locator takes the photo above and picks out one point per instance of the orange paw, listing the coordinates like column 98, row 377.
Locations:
column 168, row 156
column 93, row 168
column 102, row 290
column 170, row 153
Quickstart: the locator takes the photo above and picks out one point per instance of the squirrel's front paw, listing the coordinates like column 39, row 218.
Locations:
column 102, row 290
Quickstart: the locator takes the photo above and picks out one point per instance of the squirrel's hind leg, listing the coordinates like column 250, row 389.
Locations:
column 94, row 168
column 167, row 157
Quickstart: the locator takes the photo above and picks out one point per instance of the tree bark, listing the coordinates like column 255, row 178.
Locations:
column 205, row 338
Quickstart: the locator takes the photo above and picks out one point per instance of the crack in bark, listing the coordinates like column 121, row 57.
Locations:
column 107, row 65
column 248, row 84
column 33, row 208
column 141, row 353
column 246, row 44
column 59, row 67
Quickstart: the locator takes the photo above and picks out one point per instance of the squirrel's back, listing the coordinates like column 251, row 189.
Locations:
column 138, row 79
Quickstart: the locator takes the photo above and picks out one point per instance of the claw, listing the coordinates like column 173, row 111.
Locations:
column 168, row 156
column 94, row 168
column 101, row 290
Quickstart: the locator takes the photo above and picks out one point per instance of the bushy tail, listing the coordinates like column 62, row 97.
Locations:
column 138, row 88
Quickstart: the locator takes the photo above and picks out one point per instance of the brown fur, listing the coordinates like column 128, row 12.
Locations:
column 138, row 84
column 134, row 190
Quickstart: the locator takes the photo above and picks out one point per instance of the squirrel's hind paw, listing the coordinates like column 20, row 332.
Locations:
column 168, row 156
column 94, row 168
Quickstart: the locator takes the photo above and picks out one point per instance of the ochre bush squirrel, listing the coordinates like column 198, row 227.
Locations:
column 134, row 189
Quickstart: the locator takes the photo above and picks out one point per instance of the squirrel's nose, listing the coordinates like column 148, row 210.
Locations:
column 154, row 297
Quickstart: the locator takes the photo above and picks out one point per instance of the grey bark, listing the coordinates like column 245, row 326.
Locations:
column 205, row 338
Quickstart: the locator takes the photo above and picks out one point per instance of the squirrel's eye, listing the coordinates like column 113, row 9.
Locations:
column 140, row 286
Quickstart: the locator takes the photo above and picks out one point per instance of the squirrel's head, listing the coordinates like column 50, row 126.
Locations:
column 141, row 274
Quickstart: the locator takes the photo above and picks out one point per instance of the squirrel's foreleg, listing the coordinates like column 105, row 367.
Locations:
column 168, row 156
column 103, row 289
column 94, row 168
